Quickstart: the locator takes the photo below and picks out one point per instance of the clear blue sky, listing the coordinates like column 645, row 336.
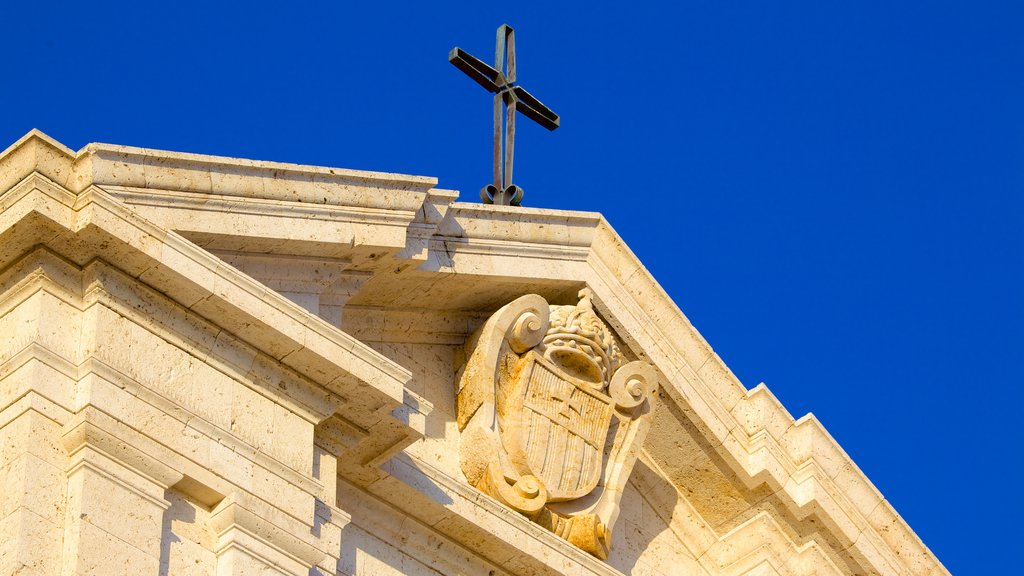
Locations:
column 832, row 192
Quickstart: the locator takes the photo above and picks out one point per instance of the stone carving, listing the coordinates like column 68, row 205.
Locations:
column 552, row 418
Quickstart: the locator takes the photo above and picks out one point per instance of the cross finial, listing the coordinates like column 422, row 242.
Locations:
column 501, row 81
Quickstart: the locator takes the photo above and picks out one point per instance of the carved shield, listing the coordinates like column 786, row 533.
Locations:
column 541, row 390
column 563, row 428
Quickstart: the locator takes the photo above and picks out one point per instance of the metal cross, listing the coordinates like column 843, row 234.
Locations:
column 503, row 86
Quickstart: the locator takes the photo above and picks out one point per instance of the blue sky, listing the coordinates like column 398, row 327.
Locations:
column 832, row 192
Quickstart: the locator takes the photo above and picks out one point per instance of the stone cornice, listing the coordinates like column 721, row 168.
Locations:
column 92, row 225
column 518, row 232
column 62, row 202
column 109, row 164
column 283, row 208
column 468, row 516
column 750, row 428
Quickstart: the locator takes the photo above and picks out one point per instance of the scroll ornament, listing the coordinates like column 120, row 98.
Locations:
column 552, row 418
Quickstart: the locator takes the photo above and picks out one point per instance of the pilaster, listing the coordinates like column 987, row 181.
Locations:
column 115, row 503
column 31, row 487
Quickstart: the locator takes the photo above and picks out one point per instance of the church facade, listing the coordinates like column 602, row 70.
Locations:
column 214, row 366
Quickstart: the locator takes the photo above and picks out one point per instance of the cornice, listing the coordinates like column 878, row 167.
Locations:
column 468, row 516
column 109, row 164
column 282, row 208
column 62, row 202
column 94, row 226
column 517, row 232
column 751, row 429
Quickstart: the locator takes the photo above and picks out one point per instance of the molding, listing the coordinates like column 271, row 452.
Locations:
column 761, row 540
column 83, row 438
column 233, row 515
column 98, row 163
column 34, row 402
column 750, row 429
column 389, row 523
column 101, row 227
column 266, row 207
column 53, row 198
column 470, row 517
column 516, row 232
column 270, row 225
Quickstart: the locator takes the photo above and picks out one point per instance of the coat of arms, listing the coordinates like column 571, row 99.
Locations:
column 552, row 417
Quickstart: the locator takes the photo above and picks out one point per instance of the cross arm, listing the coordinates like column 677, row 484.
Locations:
column 534, row 109
column 481, row 73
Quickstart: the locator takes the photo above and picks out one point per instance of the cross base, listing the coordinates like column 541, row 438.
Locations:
column 514, row 98
column 512, row 195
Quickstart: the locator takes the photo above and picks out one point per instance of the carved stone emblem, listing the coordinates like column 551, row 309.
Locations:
column 552, row 418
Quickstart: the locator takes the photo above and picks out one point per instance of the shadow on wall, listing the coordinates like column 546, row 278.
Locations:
column 364, row 553
column 638, row 523
column 424, row 485
column 176, row 548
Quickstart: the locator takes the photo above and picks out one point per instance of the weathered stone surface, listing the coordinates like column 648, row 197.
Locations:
column 222, row 366
column 553, row 417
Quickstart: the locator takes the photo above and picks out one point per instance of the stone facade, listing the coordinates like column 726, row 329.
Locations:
column 220, row 366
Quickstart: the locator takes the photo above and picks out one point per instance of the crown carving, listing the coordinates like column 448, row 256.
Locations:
column 579, row 339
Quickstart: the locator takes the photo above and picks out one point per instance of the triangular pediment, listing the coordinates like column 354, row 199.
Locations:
column 370, row 287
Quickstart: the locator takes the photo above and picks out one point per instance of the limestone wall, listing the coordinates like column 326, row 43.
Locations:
column 219, row 366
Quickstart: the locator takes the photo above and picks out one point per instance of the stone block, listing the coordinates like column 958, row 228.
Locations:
column 119, row 509
column 28, row 545
column 29, row 482
column 91, row 551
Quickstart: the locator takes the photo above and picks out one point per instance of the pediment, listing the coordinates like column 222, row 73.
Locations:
column 371, row 286
column 116, row 251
